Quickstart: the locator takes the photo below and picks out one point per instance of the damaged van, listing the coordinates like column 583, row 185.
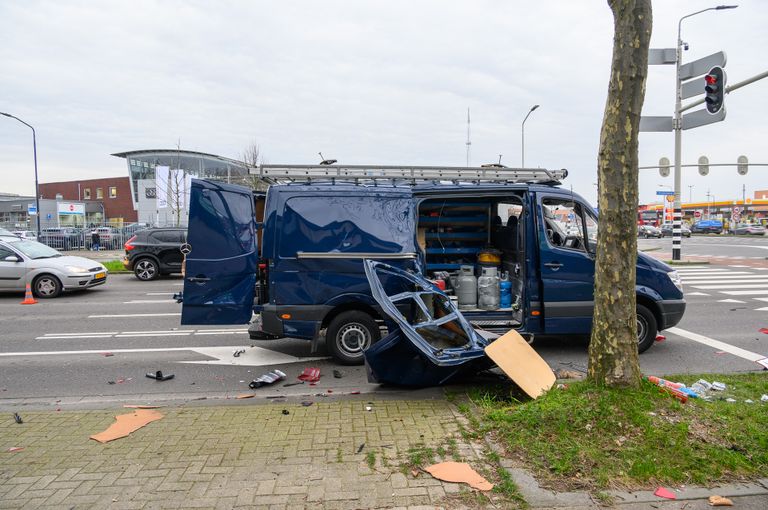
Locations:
column 508, row 247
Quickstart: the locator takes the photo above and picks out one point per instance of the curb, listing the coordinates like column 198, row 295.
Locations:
column 687, row 262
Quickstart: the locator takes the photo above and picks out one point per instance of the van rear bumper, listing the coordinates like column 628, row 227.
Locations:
column 302, row 322
column 672, row 311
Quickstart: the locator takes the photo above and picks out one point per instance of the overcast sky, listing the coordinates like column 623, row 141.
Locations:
column 362, row 81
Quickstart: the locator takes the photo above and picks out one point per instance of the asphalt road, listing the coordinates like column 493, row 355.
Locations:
column 53, row 353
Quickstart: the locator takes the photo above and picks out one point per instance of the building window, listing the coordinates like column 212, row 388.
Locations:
column 87, row 194
column 112, row 192
column 99, row 193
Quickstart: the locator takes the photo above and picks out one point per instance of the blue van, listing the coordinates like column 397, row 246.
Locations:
column 295, row 257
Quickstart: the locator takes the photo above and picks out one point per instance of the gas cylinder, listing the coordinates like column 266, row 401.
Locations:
column 488, row 289
column 466, row 288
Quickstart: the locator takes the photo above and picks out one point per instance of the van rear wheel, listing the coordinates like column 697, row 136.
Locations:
column 349, row 334
column 646, row 329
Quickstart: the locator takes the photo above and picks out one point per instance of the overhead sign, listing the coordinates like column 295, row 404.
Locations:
column 702, row 118
column 661, row 56
column 650, row 124
column 32, row 209
column 664, row 192
column 702, row 66
column 68, row 208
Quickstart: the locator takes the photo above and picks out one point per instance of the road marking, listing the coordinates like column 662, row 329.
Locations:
column 716, row 344
column 713, row 287
column 70, row 337
column 730, row 301
column 744, row 292
column 100, row 351
column 138, row 334
column 696, row 294
column 735, row 274
column 755, row 280
column 145, row 301
column 89, row 333
column 763, row 309
column 134, row 315
column 167, row 333
column 760, row 299
column 700, row 270
column 737, row 266
column 159, row 293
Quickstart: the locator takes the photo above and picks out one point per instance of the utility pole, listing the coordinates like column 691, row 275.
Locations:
column 690, row 193
column 469, row 141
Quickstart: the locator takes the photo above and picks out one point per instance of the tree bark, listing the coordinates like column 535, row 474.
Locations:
column 613, row 357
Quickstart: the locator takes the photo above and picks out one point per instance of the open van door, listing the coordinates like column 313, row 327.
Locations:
column 220, row 274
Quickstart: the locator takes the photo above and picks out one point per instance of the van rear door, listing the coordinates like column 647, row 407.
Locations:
column 221, row 267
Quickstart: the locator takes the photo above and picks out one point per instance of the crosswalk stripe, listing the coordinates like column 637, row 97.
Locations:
column 700, row 269
column 744, row 292
column 687, row 294
column 734, row 281
column 715, row 287
column 731, row 273
column 721, row 276
column 731, row 301
column 716, row 344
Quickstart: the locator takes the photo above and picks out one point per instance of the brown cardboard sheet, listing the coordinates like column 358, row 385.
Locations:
column 521, row 363
column 127, row 423
column 459, row 472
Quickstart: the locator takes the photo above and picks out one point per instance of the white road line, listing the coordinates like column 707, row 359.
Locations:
column 71, row 337
column 756, row 280
column 765, row 308
column 167, row 333
column 760, row 299
column 730, row 301
column 744, row 292
column 696, row 294
column 701, row 270
column 716, row 344
column 80, row 334
column 737, row 266
column 159, row 293
column 134, row 315
column 740, row 274
column 145, row 301
column 113, row 351
column 220, row 332
column 717, row 287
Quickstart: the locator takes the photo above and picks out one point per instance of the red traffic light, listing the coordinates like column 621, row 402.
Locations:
column 711, row 79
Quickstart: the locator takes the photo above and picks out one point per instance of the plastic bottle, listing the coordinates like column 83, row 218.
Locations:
column 488, row 289
column 506, row 293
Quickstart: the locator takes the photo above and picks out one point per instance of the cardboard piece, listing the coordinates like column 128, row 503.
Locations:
column 459, row 472
column 127, row 423
column 245, row 395
column 139, row 406
column 715, row 500
column 521, row 363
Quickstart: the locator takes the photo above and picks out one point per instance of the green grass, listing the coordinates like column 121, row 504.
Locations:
column 586, row 436
column 114, row 266
column 370, row 459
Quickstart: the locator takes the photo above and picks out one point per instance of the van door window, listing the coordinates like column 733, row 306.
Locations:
column 564, row 224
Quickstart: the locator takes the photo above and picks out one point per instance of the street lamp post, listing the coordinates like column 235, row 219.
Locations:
column 677, row 238
column 690, row 193
column 34, row 152
column 522, row 130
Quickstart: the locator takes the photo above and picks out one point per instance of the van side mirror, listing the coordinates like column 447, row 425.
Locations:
column 12, row 258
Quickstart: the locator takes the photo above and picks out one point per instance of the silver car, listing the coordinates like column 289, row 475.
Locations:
column 48, row 272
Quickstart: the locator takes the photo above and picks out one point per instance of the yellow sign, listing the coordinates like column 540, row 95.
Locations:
column 670, row 198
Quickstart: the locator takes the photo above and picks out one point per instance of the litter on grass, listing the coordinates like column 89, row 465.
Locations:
column 665, row 493
column 125, row 424
column 459, row 472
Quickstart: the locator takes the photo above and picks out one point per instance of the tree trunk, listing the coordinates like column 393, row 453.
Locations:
column 613, row 358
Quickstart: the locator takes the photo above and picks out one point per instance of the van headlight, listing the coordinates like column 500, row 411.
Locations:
column 675, row 277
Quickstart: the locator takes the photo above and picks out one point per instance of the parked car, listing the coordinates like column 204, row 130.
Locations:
column 707, row 227
column 152, row 252
column 666, row 230
column 47, row 271
column 6, row 233
column 132, row 228
column 743, row 229
column 61, row 238
column 296, row 258
column 648, row 231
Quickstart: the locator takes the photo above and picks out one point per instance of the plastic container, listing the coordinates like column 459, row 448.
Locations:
column 466, row 288
column 506, row 294
column 488, row 289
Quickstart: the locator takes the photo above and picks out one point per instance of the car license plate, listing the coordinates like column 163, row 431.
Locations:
column 100, row 275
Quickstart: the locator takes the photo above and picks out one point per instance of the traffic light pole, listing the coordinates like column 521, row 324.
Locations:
column 677, row 126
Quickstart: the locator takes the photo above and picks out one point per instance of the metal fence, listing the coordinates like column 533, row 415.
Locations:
column 110, row 236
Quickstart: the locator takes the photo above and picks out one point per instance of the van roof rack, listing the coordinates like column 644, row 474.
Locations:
column 374, row 173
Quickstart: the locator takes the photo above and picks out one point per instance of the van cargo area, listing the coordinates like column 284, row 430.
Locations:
column 463, row 238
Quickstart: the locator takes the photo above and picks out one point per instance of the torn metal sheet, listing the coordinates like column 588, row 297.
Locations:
column 432, row 343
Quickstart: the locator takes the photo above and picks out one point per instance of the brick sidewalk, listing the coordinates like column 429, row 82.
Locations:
column 249, row 456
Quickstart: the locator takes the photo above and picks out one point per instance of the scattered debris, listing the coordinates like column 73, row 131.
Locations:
column 561, row 373
column 764, row 398
column 238, row 352
column 310, row 375
column 159, row 376
column 135, row 406
column 266, row 379
column 286, row 412
column 369, row 408
column 716, row 500
column 749, row 401
column 701, row 386
column 718, row 386
column 665, row 493
column 660, row 338
column 729, row 399
column 337, row 374
column 307, row 403
column 360, row 448
column 17, row 418
column 107, row 354
column 763, row 330
column 516, row 358
column 356, row 392
column 292, row 384
column 459, row 472
column 127, row 423
column 244, row 396
column 15, row 449
column 415, row 473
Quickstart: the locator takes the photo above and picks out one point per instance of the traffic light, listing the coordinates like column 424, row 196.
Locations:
column 715, row 89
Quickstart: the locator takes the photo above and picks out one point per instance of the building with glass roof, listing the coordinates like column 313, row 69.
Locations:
column 141, row 170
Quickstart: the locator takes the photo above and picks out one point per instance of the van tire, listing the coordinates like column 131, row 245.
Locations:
column 345, row 334
column 646, row 329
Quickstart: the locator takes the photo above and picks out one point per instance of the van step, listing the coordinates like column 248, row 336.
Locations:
column 307, row 173
column 495, row 324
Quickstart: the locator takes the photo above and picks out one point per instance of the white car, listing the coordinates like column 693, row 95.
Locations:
column 48, row 272
column 25, row 234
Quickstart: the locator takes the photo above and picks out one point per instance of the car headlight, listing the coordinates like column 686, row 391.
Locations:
column 675, row 277
column 77, row 269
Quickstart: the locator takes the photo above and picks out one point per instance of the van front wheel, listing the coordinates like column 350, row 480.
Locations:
column 646, row 329
column 349, row 334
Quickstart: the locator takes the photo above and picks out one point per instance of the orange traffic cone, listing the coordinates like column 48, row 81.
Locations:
column 28, row 299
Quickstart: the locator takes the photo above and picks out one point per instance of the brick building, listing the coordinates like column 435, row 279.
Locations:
column 113, row 193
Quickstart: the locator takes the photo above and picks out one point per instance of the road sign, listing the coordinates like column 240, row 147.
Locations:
column 697, row 214
column 658, row 124
column 664, row 192
column 701, row 66
column 661, row 56
column 702, row 118
column 32, row 209
column 737, row 209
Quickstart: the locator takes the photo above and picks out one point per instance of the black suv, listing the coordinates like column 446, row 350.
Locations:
column 153, row 252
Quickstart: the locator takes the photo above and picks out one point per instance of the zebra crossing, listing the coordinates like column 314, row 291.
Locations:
column 733, row 283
